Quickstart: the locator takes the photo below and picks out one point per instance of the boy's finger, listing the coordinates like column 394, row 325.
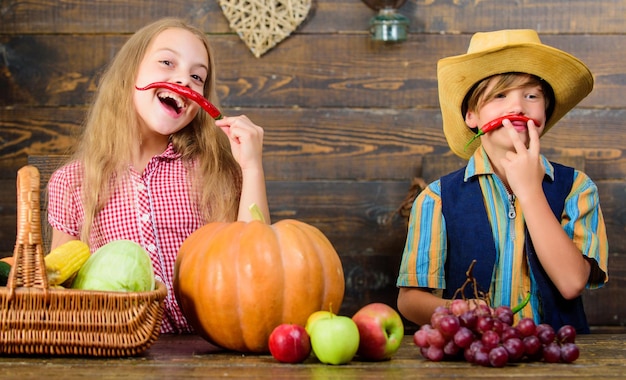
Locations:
column 517, row 142
column 533, row 135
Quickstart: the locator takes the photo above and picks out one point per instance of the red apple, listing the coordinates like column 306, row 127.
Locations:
column 381, row 331
column 290, row 343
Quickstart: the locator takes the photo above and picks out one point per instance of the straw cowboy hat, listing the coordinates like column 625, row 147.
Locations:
column 500, row 52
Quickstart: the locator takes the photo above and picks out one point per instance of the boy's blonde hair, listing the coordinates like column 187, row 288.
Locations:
column 110, row 136
column 478, row 95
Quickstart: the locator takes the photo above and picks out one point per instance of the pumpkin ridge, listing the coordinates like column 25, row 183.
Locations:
column 296, row 309
column 334, row 270
column 257, row 243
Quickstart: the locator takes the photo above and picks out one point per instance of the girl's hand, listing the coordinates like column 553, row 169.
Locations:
column 246, row 143
column 246, row 140
column 523, row 167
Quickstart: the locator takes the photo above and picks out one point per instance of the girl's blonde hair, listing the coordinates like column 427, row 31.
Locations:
column 109, row 137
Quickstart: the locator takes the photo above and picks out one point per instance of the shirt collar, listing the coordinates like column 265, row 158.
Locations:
column 479, row 164
column 169, row 153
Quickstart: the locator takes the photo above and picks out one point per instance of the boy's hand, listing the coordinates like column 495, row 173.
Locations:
column 523, row 168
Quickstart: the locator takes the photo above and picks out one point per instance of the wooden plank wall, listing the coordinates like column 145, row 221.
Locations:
column 347, row 120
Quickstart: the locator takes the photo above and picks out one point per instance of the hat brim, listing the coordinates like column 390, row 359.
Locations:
column 569, row 78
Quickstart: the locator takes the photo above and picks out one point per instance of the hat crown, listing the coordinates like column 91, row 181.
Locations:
column 494, row 40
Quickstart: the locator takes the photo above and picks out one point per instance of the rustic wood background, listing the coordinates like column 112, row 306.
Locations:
column 347, row 120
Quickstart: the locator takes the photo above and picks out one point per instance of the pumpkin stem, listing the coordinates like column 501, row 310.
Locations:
column 256, row 213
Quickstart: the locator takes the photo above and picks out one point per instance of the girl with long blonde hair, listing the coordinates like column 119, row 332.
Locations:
column 151, row 166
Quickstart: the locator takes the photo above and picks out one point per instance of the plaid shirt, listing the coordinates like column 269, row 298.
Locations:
column 152, row 208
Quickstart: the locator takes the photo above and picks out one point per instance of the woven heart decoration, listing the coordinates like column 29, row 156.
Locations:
column 262, row 24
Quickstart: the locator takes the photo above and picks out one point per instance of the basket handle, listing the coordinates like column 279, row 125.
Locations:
column 29, row 268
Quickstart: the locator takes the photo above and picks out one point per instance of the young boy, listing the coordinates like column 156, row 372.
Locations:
column 531, row 225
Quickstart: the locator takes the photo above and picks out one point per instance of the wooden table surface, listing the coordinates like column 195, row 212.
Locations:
column 188, row 357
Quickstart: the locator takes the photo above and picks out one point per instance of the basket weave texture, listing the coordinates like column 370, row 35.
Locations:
column 262, row 24
column 36, row 319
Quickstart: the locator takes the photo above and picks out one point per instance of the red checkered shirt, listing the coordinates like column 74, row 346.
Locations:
column 152, row 208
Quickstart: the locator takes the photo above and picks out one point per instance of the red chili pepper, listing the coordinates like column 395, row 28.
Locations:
column 189, row 94
column 497, row 123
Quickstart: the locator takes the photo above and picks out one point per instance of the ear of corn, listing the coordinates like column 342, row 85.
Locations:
column 65, row 261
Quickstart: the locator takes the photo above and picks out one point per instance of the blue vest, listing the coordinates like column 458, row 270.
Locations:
column 470, row 238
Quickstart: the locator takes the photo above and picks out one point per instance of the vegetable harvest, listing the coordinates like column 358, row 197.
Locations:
column 189, row 94
column 235, row 282
column 65, row 261
column 120, row 265
column 497, row 123
column 5, row 272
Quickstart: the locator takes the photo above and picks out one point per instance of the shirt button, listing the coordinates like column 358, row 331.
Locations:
column 145, row 217
column 141, row 186
column 151, row 248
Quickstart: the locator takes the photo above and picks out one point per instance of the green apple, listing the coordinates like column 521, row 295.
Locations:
column 316, row 316
column 334, row 339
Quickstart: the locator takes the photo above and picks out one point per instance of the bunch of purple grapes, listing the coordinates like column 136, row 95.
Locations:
column 486, row 336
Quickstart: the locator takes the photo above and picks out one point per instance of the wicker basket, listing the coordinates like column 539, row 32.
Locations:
column 36, row 319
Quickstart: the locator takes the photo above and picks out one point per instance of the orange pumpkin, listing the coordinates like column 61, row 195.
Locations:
column 235, row 282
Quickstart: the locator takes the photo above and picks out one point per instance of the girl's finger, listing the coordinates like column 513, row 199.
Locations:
column 227, row 131
column 229, row 126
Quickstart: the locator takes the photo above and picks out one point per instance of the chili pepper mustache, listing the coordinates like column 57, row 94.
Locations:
column 497, row 123
column 187, row 93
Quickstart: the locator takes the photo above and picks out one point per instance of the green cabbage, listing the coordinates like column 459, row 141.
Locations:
column 120, row 265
